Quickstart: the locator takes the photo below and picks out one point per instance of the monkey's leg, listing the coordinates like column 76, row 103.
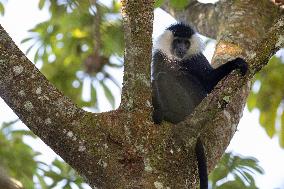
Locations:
column 173, row 98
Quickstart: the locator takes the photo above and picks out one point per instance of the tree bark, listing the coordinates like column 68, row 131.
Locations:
column 123, row 148
column 205, row 17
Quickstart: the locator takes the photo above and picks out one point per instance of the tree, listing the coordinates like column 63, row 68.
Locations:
column 122, row 148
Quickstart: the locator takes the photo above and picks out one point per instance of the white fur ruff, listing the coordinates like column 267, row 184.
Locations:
column 164, row 41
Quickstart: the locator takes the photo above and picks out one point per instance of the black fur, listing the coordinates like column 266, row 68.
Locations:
column 181, row 30
column 201, row 162
column 179, row 85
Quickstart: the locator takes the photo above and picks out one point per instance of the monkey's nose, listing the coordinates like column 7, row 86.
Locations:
column 180, row 53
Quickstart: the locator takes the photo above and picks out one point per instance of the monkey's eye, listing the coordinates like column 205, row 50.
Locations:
column 182, row 41
column 187, row 43
column 177, row 41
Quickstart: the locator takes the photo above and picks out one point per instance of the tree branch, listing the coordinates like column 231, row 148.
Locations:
column 48, row 113
column 206, row 17
column 273, row 41
column 29, row 94
column 138, row 28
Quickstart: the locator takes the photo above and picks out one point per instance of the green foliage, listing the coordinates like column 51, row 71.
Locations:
column 108, row 94
column 267, row 96
column 22, row 162
column 41, row 4
column 61, row 172
column 2, row 8
column 158, row 3
column 235, row 172
column 19, row 162
column 179, row 4
column 65, row 45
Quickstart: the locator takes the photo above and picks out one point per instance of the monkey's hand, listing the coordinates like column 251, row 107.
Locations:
column 241, row 65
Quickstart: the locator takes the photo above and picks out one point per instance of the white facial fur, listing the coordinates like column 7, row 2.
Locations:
column 164, row 42
column 196, row 45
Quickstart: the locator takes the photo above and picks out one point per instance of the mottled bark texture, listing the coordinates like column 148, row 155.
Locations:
column 204, row 17
column 137, row 19
column 123, row 148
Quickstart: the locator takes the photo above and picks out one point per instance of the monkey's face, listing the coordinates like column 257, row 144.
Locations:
column 180, row 47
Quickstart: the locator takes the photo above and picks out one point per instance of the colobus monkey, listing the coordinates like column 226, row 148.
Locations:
column 182, row 77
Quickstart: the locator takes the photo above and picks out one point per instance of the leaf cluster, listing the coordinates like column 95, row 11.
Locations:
column 177, row 4
column 267, row 96
column 235, row 172
column 24, row 164
column 65, row 46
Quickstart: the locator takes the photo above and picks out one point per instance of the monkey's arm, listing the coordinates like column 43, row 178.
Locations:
column 219, row 73
column 197, row 66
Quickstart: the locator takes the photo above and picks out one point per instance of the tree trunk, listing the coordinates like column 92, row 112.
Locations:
column 123, row 148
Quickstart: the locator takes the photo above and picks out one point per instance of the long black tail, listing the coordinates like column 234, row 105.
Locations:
column 202, row 165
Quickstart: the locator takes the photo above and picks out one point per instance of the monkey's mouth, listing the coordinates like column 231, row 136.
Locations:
column 180, row 54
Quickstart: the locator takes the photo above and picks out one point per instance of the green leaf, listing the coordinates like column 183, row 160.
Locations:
column 179, row 4
column 112, row 38
column 30, row 48
column 27, row 39
column 21, row 133
column 2, row 9
column 252, row 101
column 41, row 181
column 239, row 168
column 53, row 175
column 281, row 134
column 94, row 95
column 7, row 125
column 267, row 120
column 115, row 65
column 116, row 6
column 158, row 3
column 108, row 94
column 219, row 173
column 232, row 185
column 269, row 96
column 113, row 80
column 41, row 4
column 36, row 56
